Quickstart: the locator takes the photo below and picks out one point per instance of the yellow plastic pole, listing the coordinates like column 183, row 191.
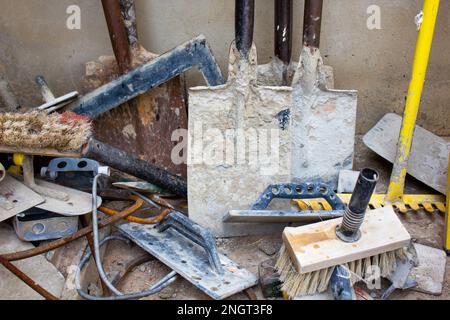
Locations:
column 447, row 215
column 422, row 56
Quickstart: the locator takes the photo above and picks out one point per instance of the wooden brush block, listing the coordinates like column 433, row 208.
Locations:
column 314, row 247
column 45, row 152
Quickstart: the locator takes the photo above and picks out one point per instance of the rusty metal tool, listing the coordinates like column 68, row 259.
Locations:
column 154, row 115
column 237, row 109
column 323, row 119
column 150, row 92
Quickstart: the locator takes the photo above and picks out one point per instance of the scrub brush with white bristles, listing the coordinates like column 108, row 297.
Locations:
column 311, row 253
column 296, row 284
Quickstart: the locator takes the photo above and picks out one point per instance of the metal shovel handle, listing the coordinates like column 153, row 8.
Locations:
column 283, row 30
column 244, row 24
column 129, row 15
column 312, row 23
column 118, row 34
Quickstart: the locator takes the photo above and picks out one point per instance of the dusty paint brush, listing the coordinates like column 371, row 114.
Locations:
column 367, row 245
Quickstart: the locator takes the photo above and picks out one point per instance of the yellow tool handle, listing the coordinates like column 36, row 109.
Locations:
column 422, row 56
column 447, row 215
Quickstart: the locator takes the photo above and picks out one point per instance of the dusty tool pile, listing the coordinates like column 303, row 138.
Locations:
column 270, row 150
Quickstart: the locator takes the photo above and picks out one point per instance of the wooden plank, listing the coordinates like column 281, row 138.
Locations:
column 316, row 246
column 15, row 198
column 79, row 203
column 191, row 261
column 41, row 152
column 429, row 153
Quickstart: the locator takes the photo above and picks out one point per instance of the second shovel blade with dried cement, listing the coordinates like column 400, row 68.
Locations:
column 323, row 122
column 220, row 119
column 428, row 161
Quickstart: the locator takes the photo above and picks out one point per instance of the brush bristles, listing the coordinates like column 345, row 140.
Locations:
column 39, row 130
column 296, row 284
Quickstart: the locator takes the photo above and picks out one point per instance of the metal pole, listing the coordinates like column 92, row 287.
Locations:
column 118, row 34
column 127, row 163
column 283, row 30
column 283, row 34
column 422, row 56
column 312, row 23
column 244, row 24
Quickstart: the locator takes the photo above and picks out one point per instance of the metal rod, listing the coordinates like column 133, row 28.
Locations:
column 124, row 162
column 118, row 34
column 244, row 25
column 26, row 279
column 312, row 23
column 283, row 30
column 47, row 94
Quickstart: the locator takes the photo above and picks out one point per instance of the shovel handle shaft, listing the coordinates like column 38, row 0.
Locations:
column 312, row 23
column 283, row 30
column 421, row 58
column 118, row 34
column 244, row 24
column 129, row 15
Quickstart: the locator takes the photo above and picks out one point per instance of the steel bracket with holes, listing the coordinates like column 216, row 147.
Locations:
column 73, row 173
column 258, row 213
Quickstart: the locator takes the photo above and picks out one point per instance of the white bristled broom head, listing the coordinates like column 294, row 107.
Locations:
column 39, row 130
column 296, row 284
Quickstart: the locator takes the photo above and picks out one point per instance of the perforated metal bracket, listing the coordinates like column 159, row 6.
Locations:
column 297, row 191
column 72, row 165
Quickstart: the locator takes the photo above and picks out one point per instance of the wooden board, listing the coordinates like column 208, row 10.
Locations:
column 191, row 261
column 429, row 153
column 79, row 202
column 41, row 152
column 316, row 246
column 15, row 198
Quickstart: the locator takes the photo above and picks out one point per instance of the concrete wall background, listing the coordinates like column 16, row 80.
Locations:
column 34, row 40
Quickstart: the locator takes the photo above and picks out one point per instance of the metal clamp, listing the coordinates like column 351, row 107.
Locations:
column 195, row 233
column 72, row 165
